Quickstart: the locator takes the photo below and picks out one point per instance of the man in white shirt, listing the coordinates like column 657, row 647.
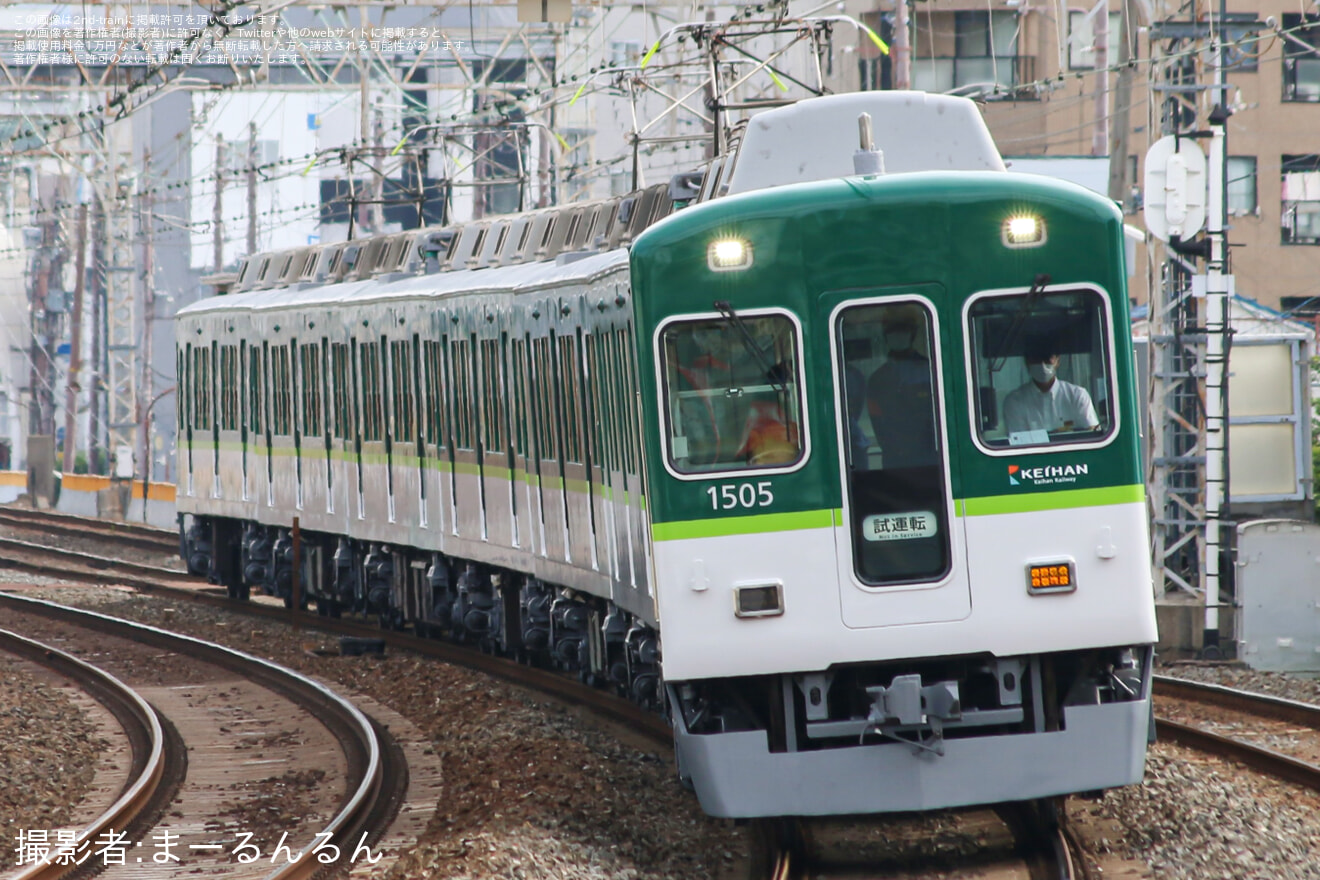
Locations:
column 1046, row 402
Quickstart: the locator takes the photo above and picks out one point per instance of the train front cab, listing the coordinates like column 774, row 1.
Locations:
column 988, row 633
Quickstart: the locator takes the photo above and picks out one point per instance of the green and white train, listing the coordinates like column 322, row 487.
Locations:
column 853, row 434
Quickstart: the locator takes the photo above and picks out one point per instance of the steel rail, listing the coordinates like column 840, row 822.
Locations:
column 1256, row 757
column 146, row 737
column 1278, row 708
column 371, row 793
column 133, row 534
column 96, row 565
column 147, row 579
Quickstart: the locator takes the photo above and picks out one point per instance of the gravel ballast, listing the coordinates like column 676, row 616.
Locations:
column 531, row 792
column 48, row 754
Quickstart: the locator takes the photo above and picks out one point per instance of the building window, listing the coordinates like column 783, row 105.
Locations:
column 1300, row 214
column 625, row 53
column 1301, row 57
column 1307, row 307
column 1081, row 39
column 970, row 52
column 1242, row 186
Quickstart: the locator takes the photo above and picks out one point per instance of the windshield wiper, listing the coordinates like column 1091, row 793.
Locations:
column 1019, row 318
column 722, row 306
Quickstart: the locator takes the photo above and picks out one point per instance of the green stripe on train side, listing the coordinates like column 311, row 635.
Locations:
column 817, row 519
column 743, row 525
column 1037, row 501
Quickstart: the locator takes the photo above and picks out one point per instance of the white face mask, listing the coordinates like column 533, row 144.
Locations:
column 1042, row 373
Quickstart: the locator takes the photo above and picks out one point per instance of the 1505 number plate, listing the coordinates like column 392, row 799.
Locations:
column 740, row 495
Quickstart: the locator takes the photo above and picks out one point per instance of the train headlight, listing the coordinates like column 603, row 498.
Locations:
column 729, row 255
column 1024, row 231
column 1051, row 577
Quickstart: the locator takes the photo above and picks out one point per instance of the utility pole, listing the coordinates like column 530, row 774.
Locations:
column 902, row 49
column 148, row 223
column 378, row 183
column 1121, row 123
column 73, row 385
column 217, row 212
column 39, row 415
column 252, row 189
column 97, row 455
column 1100, row 135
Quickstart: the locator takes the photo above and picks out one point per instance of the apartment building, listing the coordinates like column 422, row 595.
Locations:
column 1034, row 66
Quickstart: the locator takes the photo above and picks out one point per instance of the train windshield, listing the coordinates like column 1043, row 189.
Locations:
column 732, row 393
column 1041, row 368
column 896, row 483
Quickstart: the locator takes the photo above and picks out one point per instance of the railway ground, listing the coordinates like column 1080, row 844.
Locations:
column 528, row 790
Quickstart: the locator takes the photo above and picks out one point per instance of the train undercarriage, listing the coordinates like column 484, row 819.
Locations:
column 498, row 610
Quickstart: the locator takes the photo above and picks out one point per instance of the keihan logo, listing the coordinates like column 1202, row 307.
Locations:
column 1045, row 475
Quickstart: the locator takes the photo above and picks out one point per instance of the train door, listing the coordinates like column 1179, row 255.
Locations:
column 297, row 415
column 469, row 506
column 899, row 553
column 603, row 471
column 495, row 464
column 526, row 519
column 245, row 384
column 341, row 453
column 634, row 501
column 550, row 467
column 327, row 428
column 572, row 418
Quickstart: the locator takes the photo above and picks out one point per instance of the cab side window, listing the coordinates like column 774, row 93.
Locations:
column 1041, row 369
column 733, row 396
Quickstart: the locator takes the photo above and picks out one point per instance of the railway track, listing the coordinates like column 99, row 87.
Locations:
column 137, row 535
column 375, row 775
column 1302, row 768
column 1025, row 840
column 169, row 583
column 156, row 764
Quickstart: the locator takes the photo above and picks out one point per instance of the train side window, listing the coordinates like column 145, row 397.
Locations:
column 570, row 375
column 492, row 395
column 733, row 396
column 229, row 391
column 282, row 386
column 437, row 404
column 372, row 417
column 545, row 430
column 254, row 390
column 898, row 506
column 341, row 416
column 461, row 381
column 1041, row 368
column 202, row 384
column 245, row 380
column 310, row 369
column 189, row 403
column 518, row 394
column 402, row 388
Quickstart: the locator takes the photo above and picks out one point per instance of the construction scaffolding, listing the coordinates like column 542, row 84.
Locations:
column 1190, row 334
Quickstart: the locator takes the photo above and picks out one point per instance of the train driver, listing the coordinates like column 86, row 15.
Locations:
column 1046, row 403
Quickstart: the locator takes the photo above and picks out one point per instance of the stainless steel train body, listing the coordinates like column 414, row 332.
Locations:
column 549, row 443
